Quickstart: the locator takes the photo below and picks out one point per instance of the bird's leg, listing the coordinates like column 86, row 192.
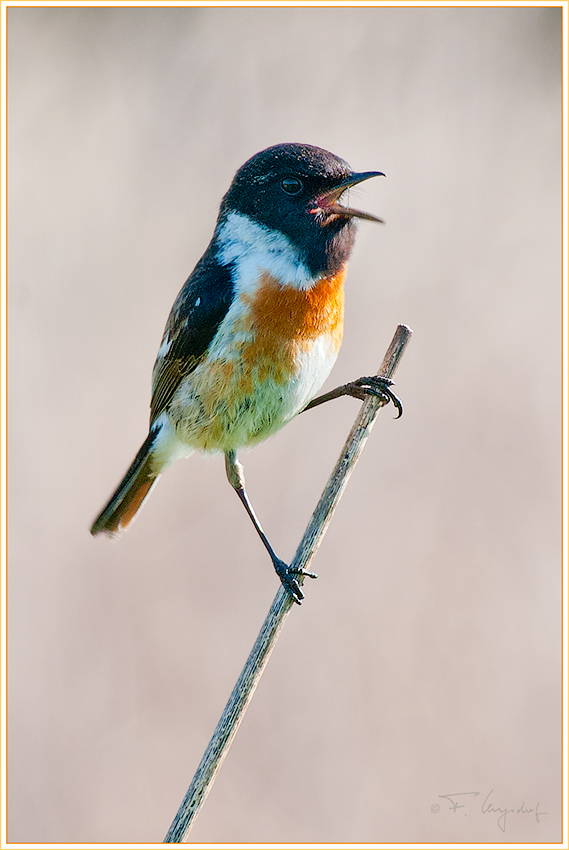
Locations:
column 361, row 388
column 287, row 575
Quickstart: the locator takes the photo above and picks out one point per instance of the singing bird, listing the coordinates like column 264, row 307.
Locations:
column 256, row 328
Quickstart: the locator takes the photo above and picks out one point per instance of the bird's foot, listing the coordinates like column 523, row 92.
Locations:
column 376, row 386
column 289, row 578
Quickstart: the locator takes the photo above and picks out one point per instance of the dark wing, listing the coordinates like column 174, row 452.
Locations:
column 196, row 315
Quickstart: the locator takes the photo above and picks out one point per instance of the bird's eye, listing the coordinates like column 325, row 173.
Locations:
column 291, row 185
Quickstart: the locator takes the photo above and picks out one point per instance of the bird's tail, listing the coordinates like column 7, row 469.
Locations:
column 130, row 494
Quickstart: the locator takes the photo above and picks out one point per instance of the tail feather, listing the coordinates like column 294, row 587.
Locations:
column 130, row 494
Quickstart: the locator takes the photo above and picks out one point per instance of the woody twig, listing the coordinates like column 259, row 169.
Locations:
column 244, row 689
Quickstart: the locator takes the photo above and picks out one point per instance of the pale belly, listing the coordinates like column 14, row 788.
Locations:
column 228, row 403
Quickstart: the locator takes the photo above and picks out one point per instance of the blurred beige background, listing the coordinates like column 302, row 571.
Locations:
column 426, row 659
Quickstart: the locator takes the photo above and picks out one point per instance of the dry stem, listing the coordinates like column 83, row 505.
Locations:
column 243, row 691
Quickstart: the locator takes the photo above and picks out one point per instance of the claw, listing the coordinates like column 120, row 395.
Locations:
column 379, row 387
column 287, row 576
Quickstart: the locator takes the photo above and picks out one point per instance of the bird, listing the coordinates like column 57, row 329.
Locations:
column 256, row 328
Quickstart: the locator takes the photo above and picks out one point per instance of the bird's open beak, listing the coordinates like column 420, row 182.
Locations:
column 329, row 202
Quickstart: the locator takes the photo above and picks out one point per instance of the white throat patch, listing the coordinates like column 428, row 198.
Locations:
column 252, row 247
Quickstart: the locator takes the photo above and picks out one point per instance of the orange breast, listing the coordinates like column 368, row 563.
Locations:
column 286, row 320
column 278, row 351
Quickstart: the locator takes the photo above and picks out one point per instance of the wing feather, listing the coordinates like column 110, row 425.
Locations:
column 196, row 315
